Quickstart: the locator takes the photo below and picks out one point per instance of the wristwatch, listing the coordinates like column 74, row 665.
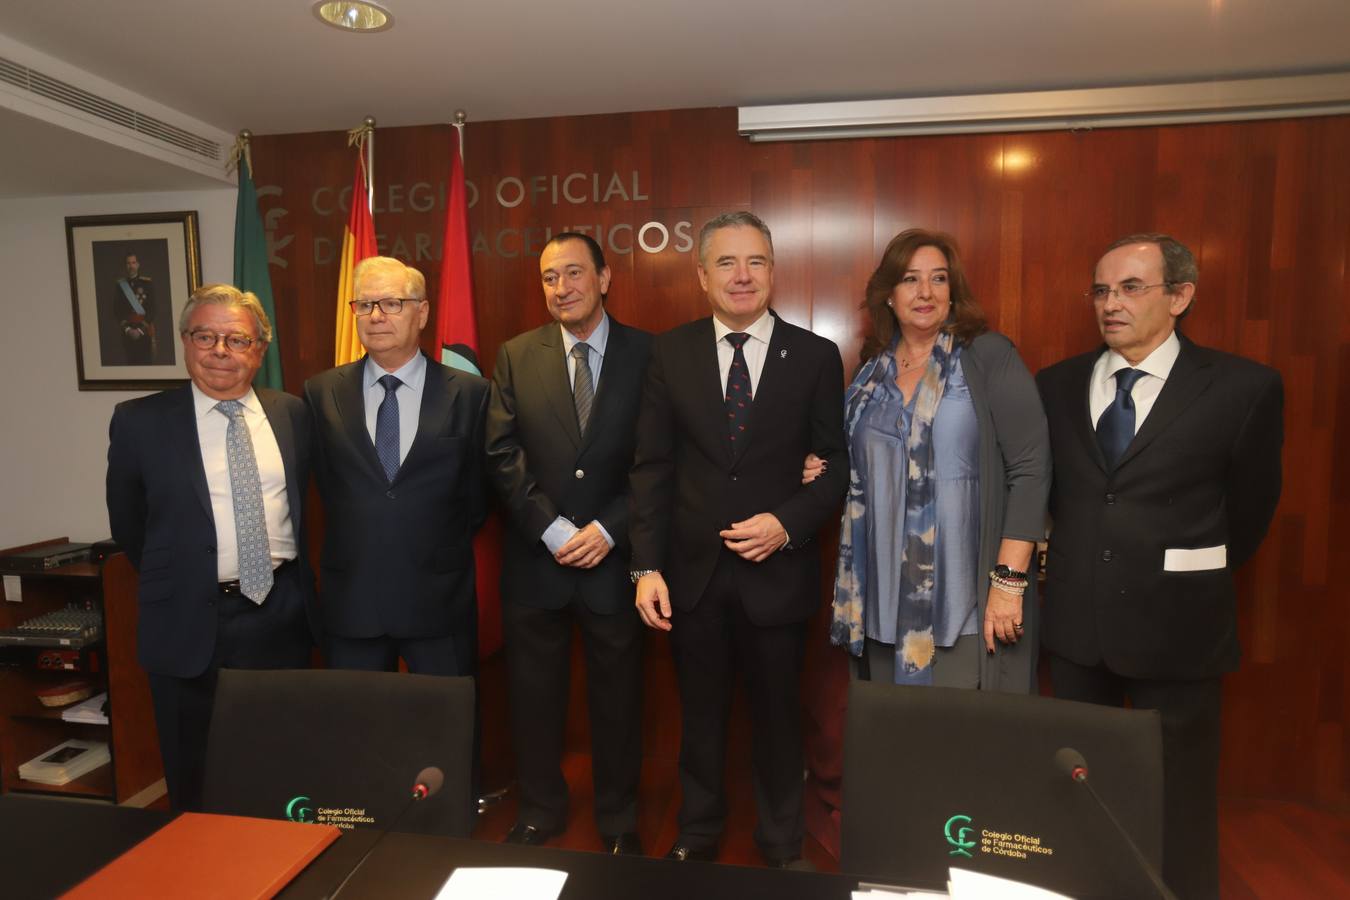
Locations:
column 637, row 574
column 1003, row 571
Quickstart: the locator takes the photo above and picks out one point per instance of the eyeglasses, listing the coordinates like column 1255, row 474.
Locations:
column 1098, row 293
column 207, row 340
column 390, row 306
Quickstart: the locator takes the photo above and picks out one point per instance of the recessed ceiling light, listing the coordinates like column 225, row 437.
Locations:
column 354, row 15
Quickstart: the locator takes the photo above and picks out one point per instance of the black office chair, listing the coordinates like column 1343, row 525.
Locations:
column 940, row 777
column 341, row 747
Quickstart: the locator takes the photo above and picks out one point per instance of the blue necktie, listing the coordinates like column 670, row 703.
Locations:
column 386, row 428
column 250, row 520
column 1115, row 429
column 738, row 396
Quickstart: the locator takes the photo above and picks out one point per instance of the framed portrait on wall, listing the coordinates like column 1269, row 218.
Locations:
column 130, row 277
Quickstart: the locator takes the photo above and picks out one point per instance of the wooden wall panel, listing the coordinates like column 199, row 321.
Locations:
column 1265, row 206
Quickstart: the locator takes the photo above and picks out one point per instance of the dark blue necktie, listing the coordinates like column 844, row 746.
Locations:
column 1115, row 429
column 386, row 428
column 738, row 397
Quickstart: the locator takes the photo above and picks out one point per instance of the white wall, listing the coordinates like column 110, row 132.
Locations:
column 54, row 437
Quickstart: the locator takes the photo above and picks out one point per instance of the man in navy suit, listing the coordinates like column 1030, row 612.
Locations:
column 1167, row 473
column 560, row 440
column 400, row 470
column 206, row 485
column 721, row 526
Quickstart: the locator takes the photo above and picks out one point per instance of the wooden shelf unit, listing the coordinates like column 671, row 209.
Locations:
column 27, row 728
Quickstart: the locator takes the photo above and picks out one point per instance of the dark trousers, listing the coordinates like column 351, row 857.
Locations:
column 449, row 655
column 273, row 635
column 538, row 658
column 1190, row 737
column 709, row 643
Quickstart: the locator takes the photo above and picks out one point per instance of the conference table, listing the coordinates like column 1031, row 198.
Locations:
column 48, row 846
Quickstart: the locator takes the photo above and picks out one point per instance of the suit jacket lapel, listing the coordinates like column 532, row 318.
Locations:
column 349, row 397
column 284, row 432
column 436, row 401
column 1079, row 385
column 550, row 367
column 183, row 428
column 1189, row 377
column 773, row 377
column 615, row 368
column 706, row 381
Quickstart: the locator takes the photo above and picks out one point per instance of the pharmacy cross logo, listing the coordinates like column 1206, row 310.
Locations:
column 296, row 810
column 961, row 841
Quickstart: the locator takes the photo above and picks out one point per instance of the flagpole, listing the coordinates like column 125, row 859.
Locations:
column 460, row 118
column 369, row 123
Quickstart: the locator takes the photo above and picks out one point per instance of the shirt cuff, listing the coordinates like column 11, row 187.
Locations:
column 558, row 534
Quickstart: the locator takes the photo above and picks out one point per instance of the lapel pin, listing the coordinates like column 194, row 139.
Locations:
column 782, row 354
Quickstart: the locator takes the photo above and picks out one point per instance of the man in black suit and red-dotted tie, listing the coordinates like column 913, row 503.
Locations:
column 1166, row 476
column 722, row 527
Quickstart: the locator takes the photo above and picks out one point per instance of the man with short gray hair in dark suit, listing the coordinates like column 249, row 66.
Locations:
column 1166, row 476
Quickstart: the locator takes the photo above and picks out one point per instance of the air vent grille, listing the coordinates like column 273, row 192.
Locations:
column 107, row 110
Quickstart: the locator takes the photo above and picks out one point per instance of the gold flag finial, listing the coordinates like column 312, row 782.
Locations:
column 242, row 150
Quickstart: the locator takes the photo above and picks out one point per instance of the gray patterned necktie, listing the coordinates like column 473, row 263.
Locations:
column 387, row 434
column 250, row 520
column 583, row 388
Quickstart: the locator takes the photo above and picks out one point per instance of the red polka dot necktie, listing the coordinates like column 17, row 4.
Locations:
column 738, row 396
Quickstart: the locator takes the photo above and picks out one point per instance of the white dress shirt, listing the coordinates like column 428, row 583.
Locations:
column 413, row 374
column 755, row 349
column 1156, row 366
column 561, row 529
column 211, row 428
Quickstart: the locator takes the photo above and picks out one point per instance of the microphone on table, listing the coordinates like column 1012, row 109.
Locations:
column 1071, row 763
column 425, row 785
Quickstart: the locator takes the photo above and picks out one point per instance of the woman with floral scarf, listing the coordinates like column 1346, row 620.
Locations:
column 950, row 473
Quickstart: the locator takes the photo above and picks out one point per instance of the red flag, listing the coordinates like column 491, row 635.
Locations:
column 457, row 335
column 456, row 324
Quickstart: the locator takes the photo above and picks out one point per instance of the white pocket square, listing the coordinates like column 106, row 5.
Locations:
column 1201, row 559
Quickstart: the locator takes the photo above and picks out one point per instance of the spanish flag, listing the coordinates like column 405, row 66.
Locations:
column 358, row 242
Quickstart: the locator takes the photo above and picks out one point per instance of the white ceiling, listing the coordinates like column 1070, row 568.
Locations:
column 269, row 65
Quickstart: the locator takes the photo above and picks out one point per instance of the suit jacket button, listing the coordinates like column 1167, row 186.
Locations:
column 1106, row 556
column 735, row 477
column 580, row 473
column 1110, row 498
column 389, row 494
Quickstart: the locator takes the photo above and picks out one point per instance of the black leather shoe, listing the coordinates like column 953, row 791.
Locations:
column 626, row 844
column 682, row 853
column 527, row 835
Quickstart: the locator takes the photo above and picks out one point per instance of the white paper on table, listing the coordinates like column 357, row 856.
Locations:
column 964, row 884
column 90, row 711
column 13, row 589
column 501, row 883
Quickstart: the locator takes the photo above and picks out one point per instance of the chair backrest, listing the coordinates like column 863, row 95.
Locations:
column 341, row 747
column 941, row 777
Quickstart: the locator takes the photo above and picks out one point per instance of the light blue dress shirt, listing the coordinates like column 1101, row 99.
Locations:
column 560, row 531
column 413, row 374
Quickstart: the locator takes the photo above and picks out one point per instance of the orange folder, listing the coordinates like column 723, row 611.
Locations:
column 199, row 855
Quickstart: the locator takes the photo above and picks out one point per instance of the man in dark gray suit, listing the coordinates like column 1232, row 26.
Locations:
column 560, row 436
column 1166, row 476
